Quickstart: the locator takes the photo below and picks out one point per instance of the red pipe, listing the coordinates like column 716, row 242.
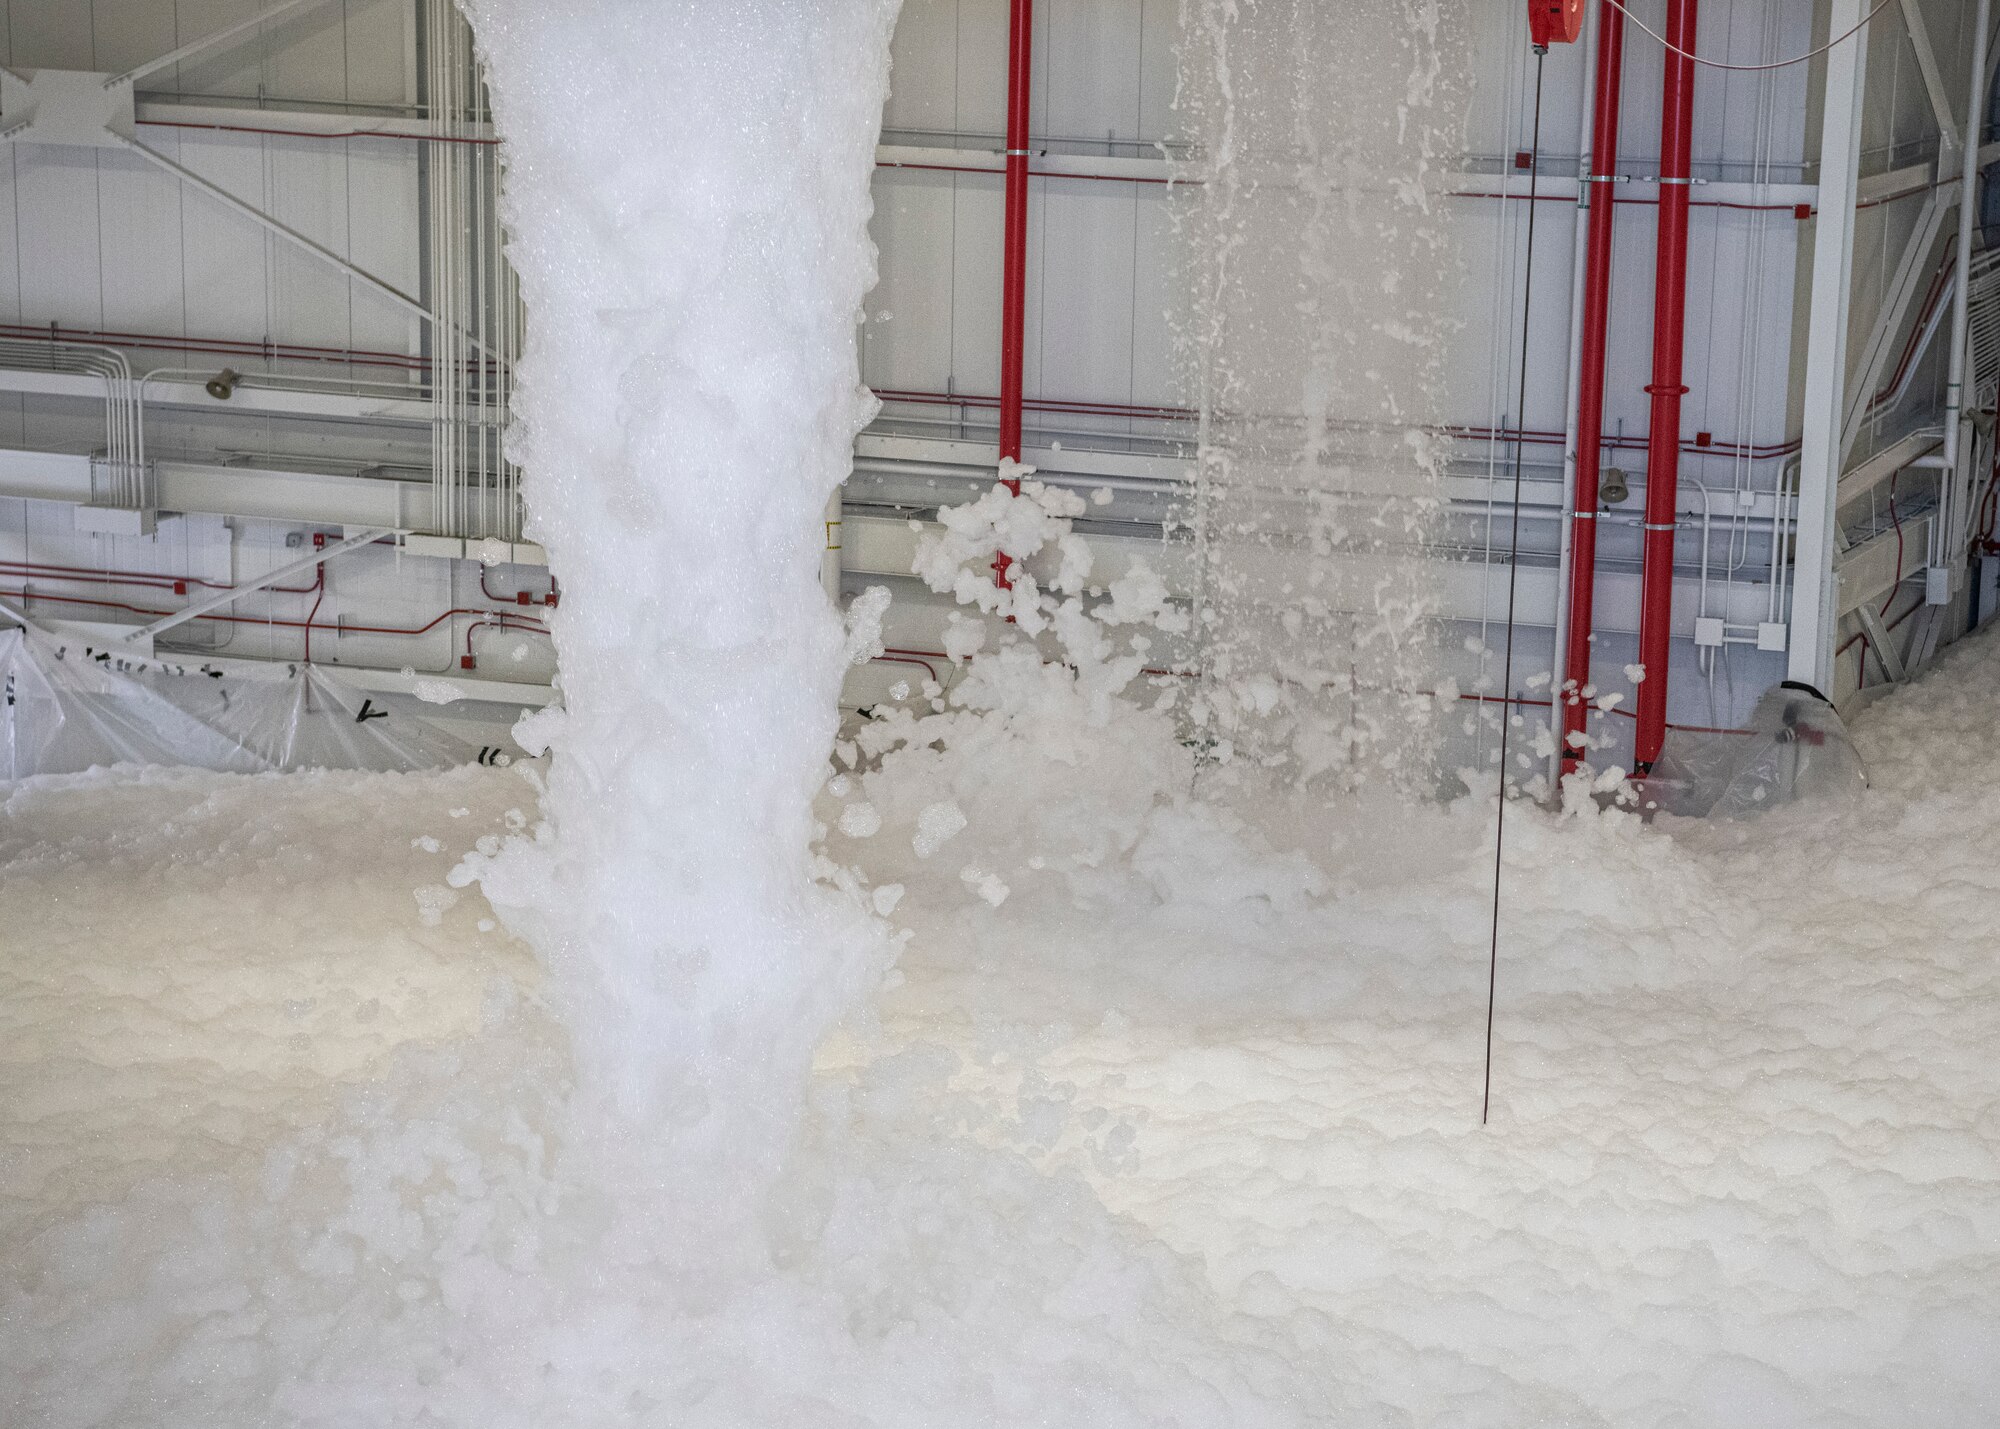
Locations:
column 1663, row 452
column 1590, row 389
column 1508, row 435
column 320, row 134
column 319, row 585
column 1014, row 261
column 230, row 347
column 177, row 584
column 1014, row 252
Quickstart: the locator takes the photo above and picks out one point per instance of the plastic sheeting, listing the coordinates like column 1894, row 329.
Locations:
column 71, row 705
column 1795, row 748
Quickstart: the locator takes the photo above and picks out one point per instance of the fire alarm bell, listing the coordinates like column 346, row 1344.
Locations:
column 1554, row 22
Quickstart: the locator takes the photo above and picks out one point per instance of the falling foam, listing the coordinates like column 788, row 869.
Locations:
column 687, row 199
column 1321, row 268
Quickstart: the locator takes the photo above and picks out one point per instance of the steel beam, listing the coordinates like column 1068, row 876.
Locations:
column 1813, row 617
column 213, row 40
column 1927, row 65
column 1911, row 269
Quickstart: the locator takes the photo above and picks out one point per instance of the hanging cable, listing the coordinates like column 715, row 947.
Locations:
column 1774, row 64
column 1507, row 715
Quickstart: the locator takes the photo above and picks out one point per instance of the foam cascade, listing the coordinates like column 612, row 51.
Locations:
column 686, row 193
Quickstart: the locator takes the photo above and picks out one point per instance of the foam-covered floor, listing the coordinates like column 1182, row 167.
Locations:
column 1182, row 1145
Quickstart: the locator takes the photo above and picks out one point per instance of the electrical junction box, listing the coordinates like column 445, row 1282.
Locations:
column 1937, row 585
column 1771, row 635
column 1708, row 631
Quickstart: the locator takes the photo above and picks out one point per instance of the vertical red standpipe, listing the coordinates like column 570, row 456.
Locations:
column 1663, row 445
column 1014, row 253
column 1590, row 385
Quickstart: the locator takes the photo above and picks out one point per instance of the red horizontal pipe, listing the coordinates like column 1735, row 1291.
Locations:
column 228, row 347
column 1656, row 594
column 1036, row 173
column 361, row 357
column 143, row 578
column 512, row 622
column 321, row 134
column 1066, row 405
column 1590, row 387
column 1791, row 208
column 1634, row 443
column 1462, row 432
column 924, row 656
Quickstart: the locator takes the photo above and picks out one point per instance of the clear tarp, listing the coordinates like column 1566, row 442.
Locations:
column 71, row 705
column 1795, row 748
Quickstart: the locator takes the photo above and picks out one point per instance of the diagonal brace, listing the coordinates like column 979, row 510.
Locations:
column 290, row 235
column 206, row 42
column 270, row 577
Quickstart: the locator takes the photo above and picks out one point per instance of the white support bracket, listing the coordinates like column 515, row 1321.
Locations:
column 270, row 577
column 1927, row 65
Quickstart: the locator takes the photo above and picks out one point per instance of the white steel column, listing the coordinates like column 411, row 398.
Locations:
column 1572, row 393
column 1813, row 605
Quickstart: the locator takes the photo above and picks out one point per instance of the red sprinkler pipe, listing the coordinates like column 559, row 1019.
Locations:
column 1014, row 259
column 1663, row 450
column 1590, row 387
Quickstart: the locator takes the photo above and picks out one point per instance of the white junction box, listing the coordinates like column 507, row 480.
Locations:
column 1937, row 585
column 1708, row 631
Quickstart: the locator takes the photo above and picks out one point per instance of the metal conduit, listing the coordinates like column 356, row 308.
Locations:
column 123, row 466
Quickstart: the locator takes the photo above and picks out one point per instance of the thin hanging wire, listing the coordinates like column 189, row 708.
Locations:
column 1513, row 574
column 1774, row 64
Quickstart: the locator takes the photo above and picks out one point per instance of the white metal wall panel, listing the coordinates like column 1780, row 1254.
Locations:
column 307, row 56
column 306, row 190
column 10, row 240
column 978, row 207
column 56, row 212
column 1089, row 237
column 1094, row 68
column 923, row 76
column 139, row 241
column 1157, row 294
column 226, row 267
column 383, row 239
column 907, row 344
column 981, row 67
column 50, row 34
